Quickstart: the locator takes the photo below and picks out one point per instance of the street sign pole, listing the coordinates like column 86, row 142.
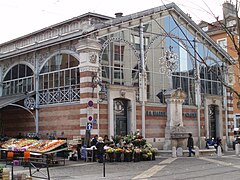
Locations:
column 104, row 158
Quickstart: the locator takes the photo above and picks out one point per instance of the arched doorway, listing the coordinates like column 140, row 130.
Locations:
column 121, row 123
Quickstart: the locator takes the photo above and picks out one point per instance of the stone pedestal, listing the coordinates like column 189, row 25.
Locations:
column 174, row 99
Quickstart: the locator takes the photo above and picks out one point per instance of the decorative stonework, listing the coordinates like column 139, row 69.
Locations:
column 93, row 57
column 54, row 33
column 179, row 132
column 6, row 65
column 230, row 74
column 175, row 94
column 41, row 58
column 28, row 58
column 122, row 93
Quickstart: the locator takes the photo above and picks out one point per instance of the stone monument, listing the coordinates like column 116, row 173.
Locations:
column 175, row 132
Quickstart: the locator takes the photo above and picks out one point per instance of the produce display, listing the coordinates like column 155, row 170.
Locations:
column 32, row 145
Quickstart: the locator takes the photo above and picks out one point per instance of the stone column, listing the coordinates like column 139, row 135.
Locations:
column 174, row 99
column 88, row 50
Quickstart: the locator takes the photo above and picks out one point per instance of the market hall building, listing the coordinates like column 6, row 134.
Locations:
column 153, row 71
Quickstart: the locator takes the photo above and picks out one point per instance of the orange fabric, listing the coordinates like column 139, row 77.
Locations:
column 10, row 154
column 26, row 154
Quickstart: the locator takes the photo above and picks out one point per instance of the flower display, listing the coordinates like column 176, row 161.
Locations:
column 137, row 150
column 119, row 150
column 110, row 150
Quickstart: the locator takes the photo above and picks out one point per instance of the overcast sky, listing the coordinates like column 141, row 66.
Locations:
column 21, row 17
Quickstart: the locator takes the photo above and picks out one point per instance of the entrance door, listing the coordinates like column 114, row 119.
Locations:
column 212, row 114
column 121, row 125
column 120, row 117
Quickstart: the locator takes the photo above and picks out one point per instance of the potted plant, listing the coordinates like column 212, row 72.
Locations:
column 128, row 155
column 118, row 154
column 110, row 154
column 153, row 150
column 137, row 155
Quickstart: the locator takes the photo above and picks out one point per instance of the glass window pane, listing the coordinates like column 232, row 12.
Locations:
column 15, row 72
column 8, row 76
column 24, row 89
column 64, row 61
column 30, row 83
column 29, row 71
column 22, row 70
column 41, row 82
column 62, row 78
column 73, row 62
column 74, row 76
column 67, row 77
column 45, row 68
column 56, row 79
column 45, row 81
column 55, row 62
column 51, row 80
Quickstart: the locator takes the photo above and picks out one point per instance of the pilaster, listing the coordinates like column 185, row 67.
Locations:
column 88, row 50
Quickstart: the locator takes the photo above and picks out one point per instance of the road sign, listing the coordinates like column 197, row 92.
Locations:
column 90, row 118
column 90, row 103
column 94, row 121
column 90, row 113
column 89, row 126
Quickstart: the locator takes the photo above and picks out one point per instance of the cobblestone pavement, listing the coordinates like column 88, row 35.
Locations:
column 181, row 168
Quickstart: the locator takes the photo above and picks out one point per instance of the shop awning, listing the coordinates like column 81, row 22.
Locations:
column 7, row 100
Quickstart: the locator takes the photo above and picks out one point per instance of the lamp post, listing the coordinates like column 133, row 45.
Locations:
column 142, row 79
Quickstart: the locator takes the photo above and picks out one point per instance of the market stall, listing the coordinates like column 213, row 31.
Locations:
column 38, row 149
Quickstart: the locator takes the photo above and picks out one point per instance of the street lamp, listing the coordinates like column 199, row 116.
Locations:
column 102, row 94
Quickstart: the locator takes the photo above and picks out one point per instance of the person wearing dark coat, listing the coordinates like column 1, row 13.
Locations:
column 100, row 149
column 94, row 140
column 190, row 145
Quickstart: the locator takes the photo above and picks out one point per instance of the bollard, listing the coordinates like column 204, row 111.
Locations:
column 174, row 152
column 104, row 159
column 237, row 149
column 196, row 152
column 219, row 151
column 226, row 147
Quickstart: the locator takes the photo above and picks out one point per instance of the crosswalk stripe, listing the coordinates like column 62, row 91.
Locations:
column 153, row 170
column 168, row 161
column 216, row 161
column 150, row 172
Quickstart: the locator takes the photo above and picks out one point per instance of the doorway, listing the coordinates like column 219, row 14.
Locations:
column 120, row 117
column 213, row 116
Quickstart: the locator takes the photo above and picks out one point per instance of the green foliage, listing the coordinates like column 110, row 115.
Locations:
column 116, row 139
column 128, row 138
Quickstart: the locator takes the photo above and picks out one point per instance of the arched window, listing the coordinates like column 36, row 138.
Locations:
column 59, row 80
column 19, row 79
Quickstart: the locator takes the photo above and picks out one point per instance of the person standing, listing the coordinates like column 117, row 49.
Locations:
column 190, row 145
column 94, row 140
column 100, row 149
column 218, row 143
